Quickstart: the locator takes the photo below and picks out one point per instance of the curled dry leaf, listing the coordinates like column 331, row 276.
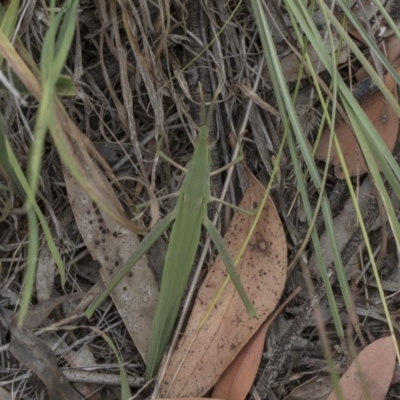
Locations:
column 39, row 358
column 369, row 376
column 31, row 351
column 201, row 357
column 385, row 121
column 136, row 295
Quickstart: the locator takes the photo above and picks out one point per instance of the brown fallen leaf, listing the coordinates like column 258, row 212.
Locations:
column 364, row 11
column 39, row 358
column 111, row 245
column 385, row 121
column 201, row 357
column 291, row 62
column 369, row 376
column 31, row 351
column 235, row 383
column 317, row 388
column 390, row 47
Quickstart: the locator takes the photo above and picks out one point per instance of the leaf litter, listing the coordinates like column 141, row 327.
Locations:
column 236, row 380
column 385, row 121
column 140, row 103
column 36, row 354
column 202, row 356
column 317, row 388
column 370, row 374
column 111, row 245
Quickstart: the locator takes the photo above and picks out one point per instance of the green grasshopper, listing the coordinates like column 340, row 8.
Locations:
column 189, row 215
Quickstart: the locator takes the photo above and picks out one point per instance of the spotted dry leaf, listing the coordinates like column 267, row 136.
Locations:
column 201, row 357
column 111, row 245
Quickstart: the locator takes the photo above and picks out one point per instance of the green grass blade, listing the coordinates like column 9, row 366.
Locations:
column 371, row 43
column 8, row 20
column 370, row 142
column 9, row 17
column 51, row 65
column 7, row 165
column 184, row 239
column 230, row 266
column 144, row 246
column 288, row 114
column 23, row 186
column 378, row 4
column 389, row 166
column 65, row 86
column 368, row 67
column 47, row 53
column 30, row 270
column 125, row 390
column 65, row 35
